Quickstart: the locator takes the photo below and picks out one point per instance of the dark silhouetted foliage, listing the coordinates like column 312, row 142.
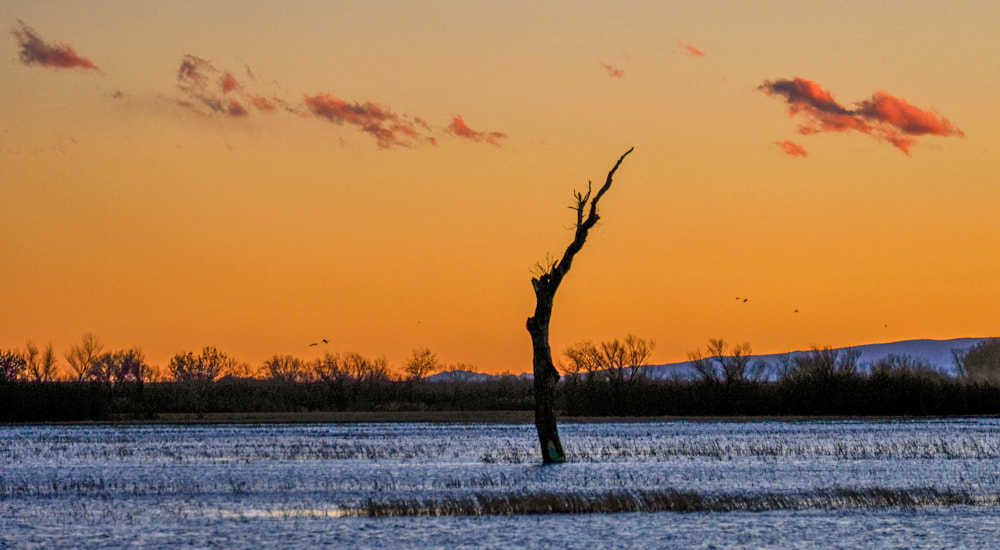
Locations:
column 12, row 365
column 982, row 361
column 208, row 365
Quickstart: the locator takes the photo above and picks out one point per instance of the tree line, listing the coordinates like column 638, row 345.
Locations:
column 90, row 361
column 608, row 378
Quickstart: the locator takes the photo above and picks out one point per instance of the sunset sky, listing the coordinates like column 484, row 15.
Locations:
column 257, row 176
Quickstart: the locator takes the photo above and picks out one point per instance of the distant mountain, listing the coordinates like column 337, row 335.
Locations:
column 465, row 376
column 937, row 353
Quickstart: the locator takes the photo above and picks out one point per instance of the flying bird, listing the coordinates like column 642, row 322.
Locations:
column 325, row 341
column 313, row 344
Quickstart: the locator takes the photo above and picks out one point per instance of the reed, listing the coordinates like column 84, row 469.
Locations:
column 668, row 500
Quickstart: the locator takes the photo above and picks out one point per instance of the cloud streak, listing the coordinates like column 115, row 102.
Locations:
column 388, row 128
column 689, row 50
column 35, row 51
column 613, row 72
column 462, row 130
column 210, row 91
column 883, row 116
column 792, row 149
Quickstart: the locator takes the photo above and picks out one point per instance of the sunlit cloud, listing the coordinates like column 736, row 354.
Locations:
column 883, row 116
column 235, row 109
column 613, row 72
column 792, row 149
column 229, row 83
column 267, row 104
column 460, row 129
column 34, row 51
column 689, row 49
column 388, row 128
column 209, row 91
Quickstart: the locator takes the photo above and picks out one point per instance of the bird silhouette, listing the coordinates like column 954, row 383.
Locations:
column 745, row 300
column 313, row 344
column 325, row 341
column 796, row 311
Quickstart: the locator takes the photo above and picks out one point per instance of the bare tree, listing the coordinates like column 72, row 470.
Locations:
column 583, row 361
column 824, row 363
column 330, row 368
column 209, row 365
column 41, row 366
column 362, row 368
column 82, row 356
column 615, row 360
column 50, row 368
column 421, row 363
column 550, row 276
column 119, row 367
column 636, row 352
column 721, row 365
column 286, row 367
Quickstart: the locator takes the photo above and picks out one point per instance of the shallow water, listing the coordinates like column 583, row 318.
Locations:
column 287, row 486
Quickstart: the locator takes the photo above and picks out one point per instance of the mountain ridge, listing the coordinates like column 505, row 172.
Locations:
column 937, row 353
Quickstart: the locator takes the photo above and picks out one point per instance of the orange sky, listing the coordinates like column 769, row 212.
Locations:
column 258, row 176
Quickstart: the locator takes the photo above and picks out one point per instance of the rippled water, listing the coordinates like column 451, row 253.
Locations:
column 906, row 484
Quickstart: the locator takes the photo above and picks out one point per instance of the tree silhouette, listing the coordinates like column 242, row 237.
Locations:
column 41, row 367
column 722, row 366
column 211, row 364
column 286, row 367
column 12, row 365
column 545, row 285
column 81, row 357
column 421, row 363
column 612, row 360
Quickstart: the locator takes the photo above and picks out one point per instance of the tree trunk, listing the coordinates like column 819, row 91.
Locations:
column 545, row 286
column 546, row 378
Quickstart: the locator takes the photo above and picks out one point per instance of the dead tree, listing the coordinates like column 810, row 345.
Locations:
column 545, row 285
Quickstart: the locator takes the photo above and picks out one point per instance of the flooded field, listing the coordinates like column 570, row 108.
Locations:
column 906, row 484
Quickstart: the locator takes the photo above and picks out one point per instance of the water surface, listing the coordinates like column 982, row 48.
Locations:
column 802, row 484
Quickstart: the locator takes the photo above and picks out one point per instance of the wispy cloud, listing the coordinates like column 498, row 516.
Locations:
column 792, row 149
column 35, row 51
column 613, row 72
column 460, row 129
column 388, row 128
column 882, row 116
column 210, row 91
column 688, row 49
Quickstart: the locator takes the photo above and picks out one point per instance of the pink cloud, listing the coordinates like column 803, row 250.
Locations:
column 218, row 91
column 883, row 116
column 460, row 129
column 229, row 83
column 236, row 109
column 209, row 91
column 690, row 50
column 34, row 51
column 791, row 148
column 613, row 72
column 388, row 128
